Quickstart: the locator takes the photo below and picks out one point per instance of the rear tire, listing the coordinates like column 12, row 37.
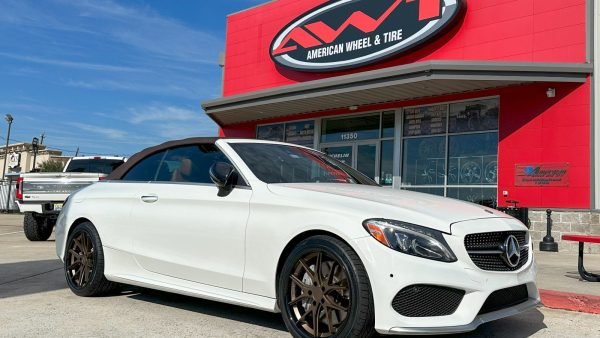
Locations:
column 36, row 228
column 323, row 291
column 84, row 263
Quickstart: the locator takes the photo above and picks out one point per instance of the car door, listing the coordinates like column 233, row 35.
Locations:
column 116, row 199
column 184, row 229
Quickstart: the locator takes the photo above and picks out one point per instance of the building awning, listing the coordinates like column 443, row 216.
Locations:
column 417, row 80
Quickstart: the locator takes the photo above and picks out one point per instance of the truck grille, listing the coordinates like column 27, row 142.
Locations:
column 486, row 249
column 505, row 298
column 422, row 300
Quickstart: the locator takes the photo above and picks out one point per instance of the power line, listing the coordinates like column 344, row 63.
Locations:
column 69, row 150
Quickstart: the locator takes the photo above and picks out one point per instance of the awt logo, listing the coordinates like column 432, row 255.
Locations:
column 350, row 33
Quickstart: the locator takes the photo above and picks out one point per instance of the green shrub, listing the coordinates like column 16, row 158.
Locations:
column 51, row 166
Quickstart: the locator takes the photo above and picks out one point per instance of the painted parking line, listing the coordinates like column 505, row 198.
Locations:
column 12, row 233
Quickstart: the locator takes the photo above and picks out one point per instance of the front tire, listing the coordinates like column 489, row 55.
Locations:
column 84, row 263
column 36, row 228
column 323, row 291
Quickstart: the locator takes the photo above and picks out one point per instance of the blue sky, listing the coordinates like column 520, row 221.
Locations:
column 110, row 77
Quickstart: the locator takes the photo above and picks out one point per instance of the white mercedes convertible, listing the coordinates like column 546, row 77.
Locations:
column 284, row 228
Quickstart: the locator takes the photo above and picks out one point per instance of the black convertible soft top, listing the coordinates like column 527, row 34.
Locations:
column 124, row 168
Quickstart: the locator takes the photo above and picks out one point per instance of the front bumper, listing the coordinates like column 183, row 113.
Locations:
column 390, row 271
column 488, row 317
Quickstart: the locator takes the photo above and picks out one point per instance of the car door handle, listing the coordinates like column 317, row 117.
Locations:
column 149, row 198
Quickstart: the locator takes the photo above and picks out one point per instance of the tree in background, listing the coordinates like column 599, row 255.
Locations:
column 52, row 166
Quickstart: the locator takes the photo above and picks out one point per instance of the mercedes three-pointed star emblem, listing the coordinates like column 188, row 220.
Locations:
column 512, row 251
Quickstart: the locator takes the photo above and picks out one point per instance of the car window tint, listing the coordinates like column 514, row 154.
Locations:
column 103, row 166
column 279, row 163
column 146, row 169
column 190, row 164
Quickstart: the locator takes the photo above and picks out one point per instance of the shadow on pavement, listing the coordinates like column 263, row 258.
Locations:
column 519, row 326
column 207, row 307
column 24, row 278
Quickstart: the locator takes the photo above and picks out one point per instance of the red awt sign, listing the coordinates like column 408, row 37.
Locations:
column 542, row 175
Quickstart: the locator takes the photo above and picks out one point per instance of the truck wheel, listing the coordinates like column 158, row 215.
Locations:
column 36, row 228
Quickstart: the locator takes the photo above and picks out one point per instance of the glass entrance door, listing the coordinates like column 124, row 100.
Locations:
column 363, row 156
column 366, row 160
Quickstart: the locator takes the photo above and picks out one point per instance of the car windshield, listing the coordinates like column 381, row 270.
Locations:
column 278, row 163
column 103, row 166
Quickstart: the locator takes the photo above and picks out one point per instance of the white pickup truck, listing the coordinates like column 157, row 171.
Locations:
column 40, row 196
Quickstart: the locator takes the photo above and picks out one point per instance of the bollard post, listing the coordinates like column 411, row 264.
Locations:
column 548, row 244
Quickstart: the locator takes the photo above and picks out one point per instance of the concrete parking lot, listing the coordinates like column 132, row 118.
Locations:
column 35, row 302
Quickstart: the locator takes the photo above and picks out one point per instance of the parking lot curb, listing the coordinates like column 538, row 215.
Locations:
column 570, row 301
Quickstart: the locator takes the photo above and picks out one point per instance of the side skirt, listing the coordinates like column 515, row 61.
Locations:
column 123, row 268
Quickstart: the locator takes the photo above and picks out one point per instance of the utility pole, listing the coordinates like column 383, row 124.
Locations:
column 77, row 152
column 9, row 120
column 42, row 137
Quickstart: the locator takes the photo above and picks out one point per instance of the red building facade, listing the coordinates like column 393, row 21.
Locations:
column 496, row 106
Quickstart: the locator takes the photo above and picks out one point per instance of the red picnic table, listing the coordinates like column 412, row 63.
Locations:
column 588, row 276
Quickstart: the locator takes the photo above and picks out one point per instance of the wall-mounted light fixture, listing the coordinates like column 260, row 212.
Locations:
column 551, row 92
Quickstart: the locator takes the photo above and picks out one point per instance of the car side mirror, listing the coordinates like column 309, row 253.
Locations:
column 223, row 176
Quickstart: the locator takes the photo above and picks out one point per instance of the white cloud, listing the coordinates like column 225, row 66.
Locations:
column 25, row 106
column 164, row 114
column 17, row 13
column 189, row 91
column 113, row 134
column 172, row 122
column 72, row 64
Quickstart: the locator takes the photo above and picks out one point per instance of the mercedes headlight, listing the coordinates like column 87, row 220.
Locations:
column 410, row 239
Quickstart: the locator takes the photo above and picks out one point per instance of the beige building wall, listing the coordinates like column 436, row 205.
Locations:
column 26, row 161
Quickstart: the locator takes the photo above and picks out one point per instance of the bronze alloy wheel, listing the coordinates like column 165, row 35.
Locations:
column 80, row 258
column 84, row 262
column 319, row 294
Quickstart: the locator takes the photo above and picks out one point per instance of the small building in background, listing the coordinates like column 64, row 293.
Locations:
column 20, row 157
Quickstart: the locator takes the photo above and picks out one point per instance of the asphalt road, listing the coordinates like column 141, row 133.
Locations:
column 35, row 302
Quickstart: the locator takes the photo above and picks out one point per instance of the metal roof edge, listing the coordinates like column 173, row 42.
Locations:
column 571, row 72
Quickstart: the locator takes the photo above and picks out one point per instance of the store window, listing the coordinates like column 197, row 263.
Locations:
column 365, row 142
column 272, row 132
column 301, row 132
column 351, row 128
column 452, row 150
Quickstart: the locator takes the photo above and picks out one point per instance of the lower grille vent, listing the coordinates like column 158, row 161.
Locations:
column 427, row 300
column 505, row 298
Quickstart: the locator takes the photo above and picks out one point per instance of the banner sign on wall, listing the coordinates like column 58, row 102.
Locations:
column 542, row 175
column 14, row 159
column 350, row 33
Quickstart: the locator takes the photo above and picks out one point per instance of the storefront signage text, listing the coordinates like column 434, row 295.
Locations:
column 350, row 33
column 542, row 175
column 429, row 120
